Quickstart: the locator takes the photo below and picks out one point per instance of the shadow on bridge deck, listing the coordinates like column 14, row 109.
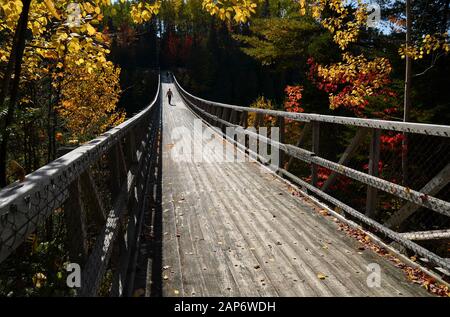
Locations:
column 235, row 229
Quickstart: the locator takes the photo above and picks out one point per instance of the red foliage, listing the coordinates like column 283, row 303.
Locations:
column 391, row 141
column 294, row 95
column 380, row 167
column 342, row 86
column 171, row 50
column 177, row 49
column 342, row 183
column 185, row 50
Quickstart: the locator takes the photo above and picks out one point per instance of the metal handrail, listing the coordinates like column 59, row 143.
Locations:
column 409, row 127
column 24, row 205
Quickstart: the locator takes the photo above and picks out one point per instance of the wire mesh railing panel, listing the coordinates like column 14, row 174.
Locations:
column 390, row 176
column 74, row 211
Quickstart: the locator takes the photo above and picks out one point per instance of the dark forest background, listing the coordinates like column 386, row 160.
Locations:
column 239, row 63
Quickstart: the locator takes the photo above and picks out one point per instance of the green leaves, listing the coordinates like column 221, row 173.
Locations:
column 284, row 42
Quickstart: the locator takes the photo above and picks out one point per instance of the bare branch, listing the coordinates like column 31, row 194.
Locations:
column 433, row 63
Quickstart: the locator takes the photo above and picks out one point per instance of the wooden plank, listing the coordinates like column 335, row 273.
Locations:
column 209, row 229
column 230, row 243
column 304, row 248
column 172, row 285
column 171, row 277
column 215, row 273
column 212, row 257
column 195, row 281
column 285, row 274
column 344, row 255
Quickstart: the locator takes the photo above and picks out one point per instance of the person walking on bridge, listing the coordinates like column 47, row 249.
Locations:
column 169, row 96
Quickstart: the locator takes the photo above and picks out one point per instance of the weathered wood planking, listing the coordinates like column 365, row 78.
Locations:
column 233, row 229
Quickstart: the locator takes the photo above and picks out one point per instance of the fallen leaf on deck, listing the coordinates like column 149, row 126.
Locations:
column 413, row 274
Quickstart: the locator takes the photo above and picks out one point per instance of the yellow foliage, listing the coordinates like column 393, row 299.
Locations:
column 89, row 99
column 262, row 103
column 238, row 10
column 51, row 7
column 39, row 279
column 344, row 24
column 73, row 56
column 16, row 170
column 143, row 12
column 362, row 76
column 429, row 44
column 10, row 10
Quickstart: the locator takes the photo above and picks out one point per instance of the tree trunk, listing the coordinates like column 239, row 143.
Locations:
column 407, row 95
column 14, row 64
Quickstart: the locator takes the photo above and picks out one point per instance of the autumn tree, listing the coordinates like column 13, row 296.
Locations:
column 44, row 41
column 88, row 100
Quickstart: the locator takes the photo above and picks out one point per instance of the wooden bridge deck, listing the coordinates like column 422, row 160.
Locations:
column 230, row 229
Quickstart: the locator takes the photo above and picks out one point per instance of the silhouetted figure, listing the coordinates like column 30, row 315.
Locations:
column 169, row 96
